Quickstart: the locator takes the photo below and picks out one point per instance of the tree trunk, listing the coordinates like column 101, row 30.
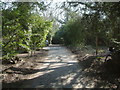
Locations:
column 96, row 45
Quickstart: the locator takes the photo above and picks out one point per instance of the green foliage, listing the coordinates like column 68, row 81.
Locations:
column 22, row 29
column 98, row 25
column 40, row 29
column 72, row 32
column 58, row 37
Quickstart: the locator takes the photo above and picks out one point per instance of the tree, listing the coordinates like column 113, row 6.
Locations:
column 23, row 28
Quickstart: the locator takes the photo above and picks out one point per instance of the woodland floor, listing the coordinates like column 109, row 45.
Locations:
column 56, row 67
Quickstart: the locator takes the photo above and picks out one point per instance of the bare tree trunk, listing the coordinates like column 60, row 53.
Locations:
column 96, row 45
column 51, row 40
column 34, row 49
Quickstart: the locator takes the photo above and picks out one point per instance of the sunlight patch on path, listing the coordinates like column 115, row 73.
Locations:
column 63, row 64
column 60, row 69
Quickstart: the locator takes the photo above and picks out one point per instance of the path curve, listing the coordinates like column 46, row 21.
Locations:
column 59, row 69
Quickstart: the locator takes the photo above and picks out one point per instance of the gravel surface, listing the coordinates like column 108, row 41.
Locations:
column 61, row 69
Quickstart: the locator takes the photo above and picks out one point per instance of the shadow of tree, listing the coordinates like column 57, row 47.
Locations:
column 104, row 74
column 23, row 71
column 47, row 80
column 86, row 63
column 59, row 76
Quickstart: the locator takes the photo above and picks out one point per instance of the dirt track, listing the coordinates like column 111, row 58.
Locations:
column 60, row 69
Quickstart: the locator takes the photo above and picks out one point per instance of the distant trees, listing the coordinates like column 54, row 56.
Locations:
column 24, row 29
column 95, row 23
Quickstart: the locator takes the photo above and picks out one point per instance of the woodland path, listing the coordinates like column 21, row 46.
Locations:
column 59, row 69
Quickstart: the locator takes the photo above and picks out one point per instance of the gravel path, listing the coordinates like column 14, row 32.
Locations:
column 60, row 69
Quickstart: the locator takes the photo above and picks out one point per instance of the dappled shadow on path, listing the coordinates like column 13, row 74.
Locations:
column 102, row 75
column 67, row 75
column 23, row 71
column 55, row 77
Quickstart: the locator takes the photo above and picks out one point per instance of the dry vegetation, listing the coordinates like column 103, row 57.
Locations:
column 104, row 74
column 23, row 68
